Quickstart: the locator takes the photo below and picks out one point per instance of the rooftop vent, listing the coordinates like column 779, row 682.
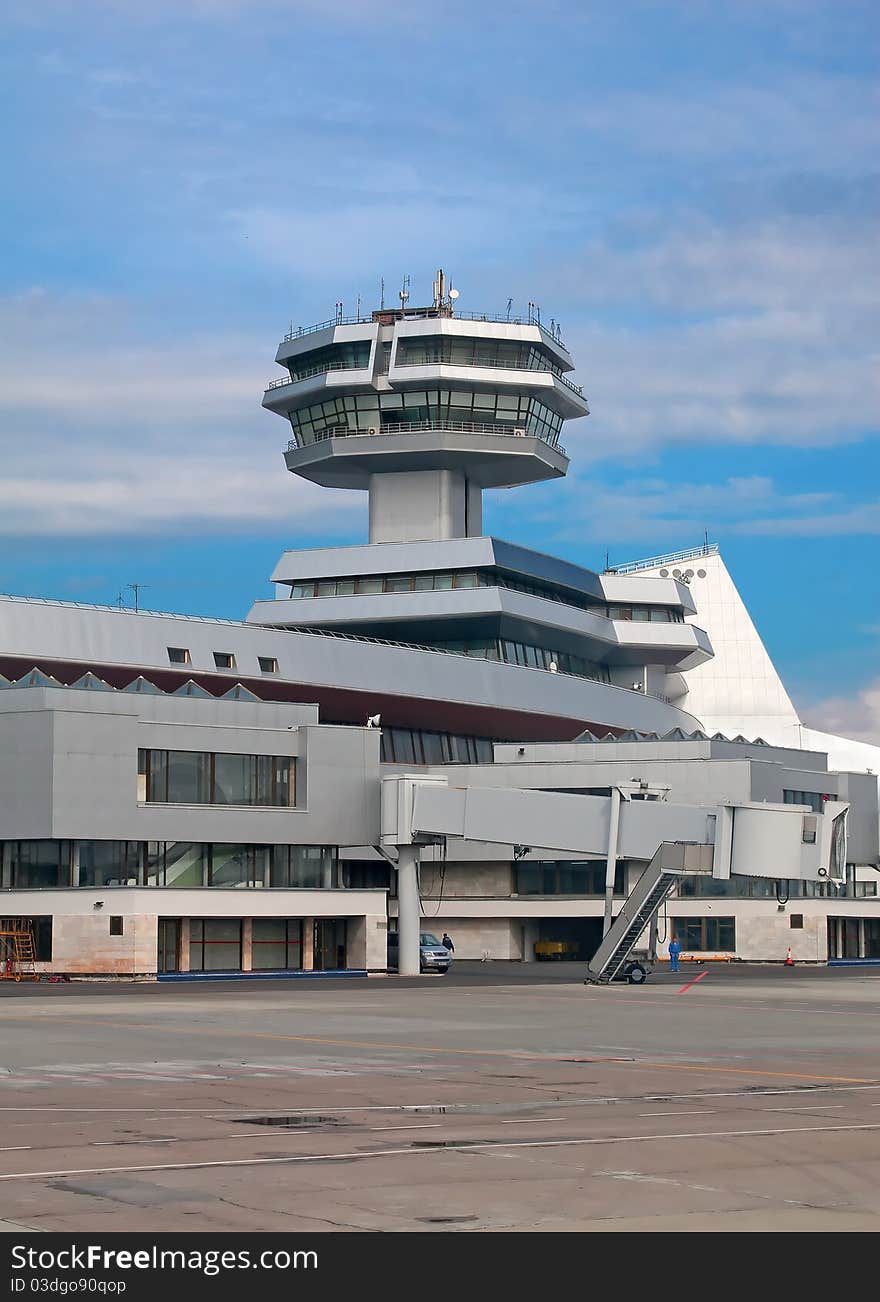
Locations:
column 191, row 688
column 91, row 683
column 36, row 678
column 239, row 693
column 141, row 684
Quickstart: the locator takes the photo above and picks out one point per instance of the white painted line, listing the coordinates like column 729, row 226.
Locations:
column 481, row 1146
column 428, row 1125
column 530, row 1121
column 814, row 1107
column 18, row 1148
column 698, row 1112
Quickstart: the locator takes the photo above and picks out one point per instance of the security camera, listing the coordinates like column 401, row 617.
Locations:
column 373, row 720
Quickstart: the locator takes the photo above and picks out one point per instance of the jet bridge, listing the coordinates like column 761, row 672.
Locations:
column 755, row 840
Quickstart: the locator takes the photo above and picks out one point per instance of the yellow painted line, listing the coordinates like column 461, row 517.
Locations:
column 508, row 1054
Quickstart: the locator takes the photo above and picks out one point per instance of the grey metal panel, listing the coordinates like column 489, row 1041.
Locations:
column 385, row 558
column 566, row 628
column 491, row 460
column 68, row 770
column 647, row 590
column 539, row 565
column 97, row 636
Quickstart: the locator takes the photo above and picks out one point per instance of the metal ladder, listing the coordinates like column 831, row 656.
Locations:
column 649, row 892
column 17, row 951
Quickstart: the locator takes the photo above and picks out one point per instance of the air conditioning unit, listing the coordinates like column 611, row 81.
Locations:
column 372, row 430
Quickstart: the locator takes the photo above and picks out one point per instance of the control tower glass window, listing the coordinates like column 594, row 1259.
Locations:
column 505, row 353
column 429, row 409
column 338, row 357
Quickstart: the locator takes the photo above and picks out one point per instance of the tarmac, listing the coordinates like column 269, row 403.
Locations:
column 498, row 1098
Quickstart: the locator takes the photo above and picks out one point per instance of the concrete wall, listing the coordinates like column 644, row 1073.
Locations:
column 68, row 770
column 475, row 937
column 467, row 880
column 81, row 940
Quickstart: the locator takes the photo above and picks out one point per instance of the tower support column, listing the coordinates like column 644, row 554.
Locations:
column 421, row 505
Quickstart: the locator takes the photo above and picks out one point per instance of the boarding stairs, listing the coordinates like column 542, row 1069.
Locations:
column 671, row 861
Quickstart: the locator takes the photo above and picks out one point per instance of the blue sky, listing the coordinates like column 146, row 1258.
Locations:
column 690, row 189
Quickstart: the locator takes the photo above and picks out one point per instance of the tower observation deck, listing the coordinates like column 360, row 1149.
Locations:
column 424, row 408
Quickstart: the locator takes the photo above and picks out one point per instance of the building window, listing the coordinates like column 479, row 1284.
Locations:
column 237, row 865
column 796, row 922
column 431, row 408
column 181, row 777
column 109, row 863
column 277, row 945
column 716, row 935
column 116, row 926
column 366, row 876
column 335, row 357
column 562, row 878
column 178, row 655
column 303, row 866
column 215, row 945
column 415, row 746
column 176, row 863
column 224, row 660
column 814, row 800
column 268, row 664
column 41, row 930
column 37, row 864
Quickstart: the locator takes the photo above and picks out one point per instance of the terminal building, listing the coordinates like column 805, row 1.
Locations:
column 189, row 795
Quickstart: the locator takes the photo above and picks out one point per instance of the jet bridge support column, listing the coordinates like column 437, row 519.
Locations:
column 611, row 860
column 408, row 911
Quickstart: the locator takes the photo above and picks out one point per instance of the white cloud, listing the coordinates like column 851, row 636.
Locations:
column 658, row 511
column 752, row 334
column 857, row 717
column 120, row 434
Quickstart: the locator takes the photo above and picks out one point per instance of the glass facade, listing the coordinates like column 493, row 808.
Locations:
column 527, row 655
column 303, row 866
column 181, row 777
column 109, row 863
column 36, row 864
column 815, row 800
column 448, row 579
column 186, row 864
column 351, row 413
column 337, row 357
column 759, row 888
column 415, row 746
column 567, row 878
column 433, row 350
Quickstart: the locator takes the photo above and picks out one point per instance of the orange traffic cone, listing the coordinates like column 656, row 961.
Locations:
column 789, row 961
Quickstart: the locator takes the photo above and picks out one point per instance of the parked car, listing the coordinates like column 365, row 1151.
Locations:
column 433, row 956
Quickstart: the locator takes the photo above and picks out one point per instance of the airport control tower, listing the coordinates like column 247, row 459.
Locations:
column 425, row 407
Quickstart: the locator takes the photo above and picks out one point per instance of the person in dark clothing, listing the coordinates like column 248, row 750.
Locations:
column 447, row 943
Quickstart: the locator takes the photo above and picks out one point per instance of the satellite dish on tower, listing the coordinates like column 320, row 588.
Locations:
column 454, row 294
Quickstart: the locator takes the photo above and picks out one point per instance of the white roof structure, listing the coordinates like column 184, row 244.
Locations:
column 740, row 690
